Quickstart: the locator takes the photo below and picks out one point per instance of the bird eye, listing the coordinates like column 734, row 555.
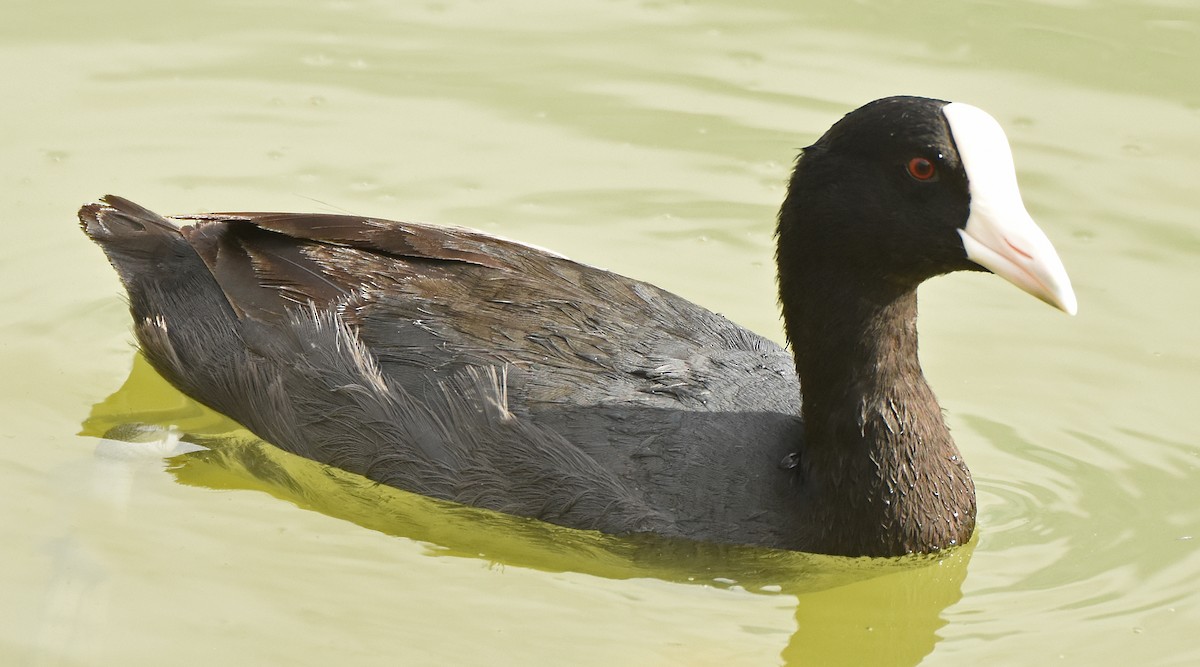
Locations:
column 922, row 169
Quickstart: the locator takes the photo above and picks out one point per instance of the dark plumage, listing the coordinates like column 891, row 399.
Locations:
column 469, row 368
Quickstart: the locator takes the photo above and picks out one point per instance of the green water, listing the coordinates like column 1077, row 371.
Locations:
column 654, row 139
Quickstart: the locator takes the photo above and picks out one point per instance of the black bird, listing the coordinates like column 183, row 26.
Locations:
column 470, row 368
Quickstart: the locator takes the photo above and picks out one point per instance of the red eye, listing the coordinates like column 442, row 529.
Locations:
column 921, row 169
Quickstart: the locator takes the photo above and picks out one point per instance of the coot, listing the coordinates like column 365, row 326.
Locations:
column 474, row 369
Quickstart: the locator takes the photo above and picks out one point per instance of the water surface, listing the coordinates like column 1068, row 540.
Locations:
column 652, row 138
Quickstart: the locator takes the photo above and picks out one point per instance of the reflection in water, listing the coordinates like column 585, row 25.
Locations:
column 78, row 597
column 848, row 611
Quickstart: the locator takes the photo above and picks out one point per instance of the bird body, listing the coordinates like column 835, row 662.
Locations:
column 474, row 369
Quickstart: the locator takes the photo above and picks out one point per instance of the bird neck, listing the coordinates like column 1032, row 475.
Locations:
column 883, row 474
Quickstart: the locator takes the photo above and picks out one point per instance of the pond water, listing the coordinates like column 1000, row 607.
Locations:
column 652, row 138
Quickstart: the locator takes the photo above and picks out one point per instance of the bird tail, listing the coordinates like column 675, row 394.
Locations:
column 181, row 317
column 138, row 241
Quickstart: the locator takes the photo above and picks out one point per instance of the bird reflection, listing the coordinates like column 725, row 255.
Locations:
column 847, row 610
